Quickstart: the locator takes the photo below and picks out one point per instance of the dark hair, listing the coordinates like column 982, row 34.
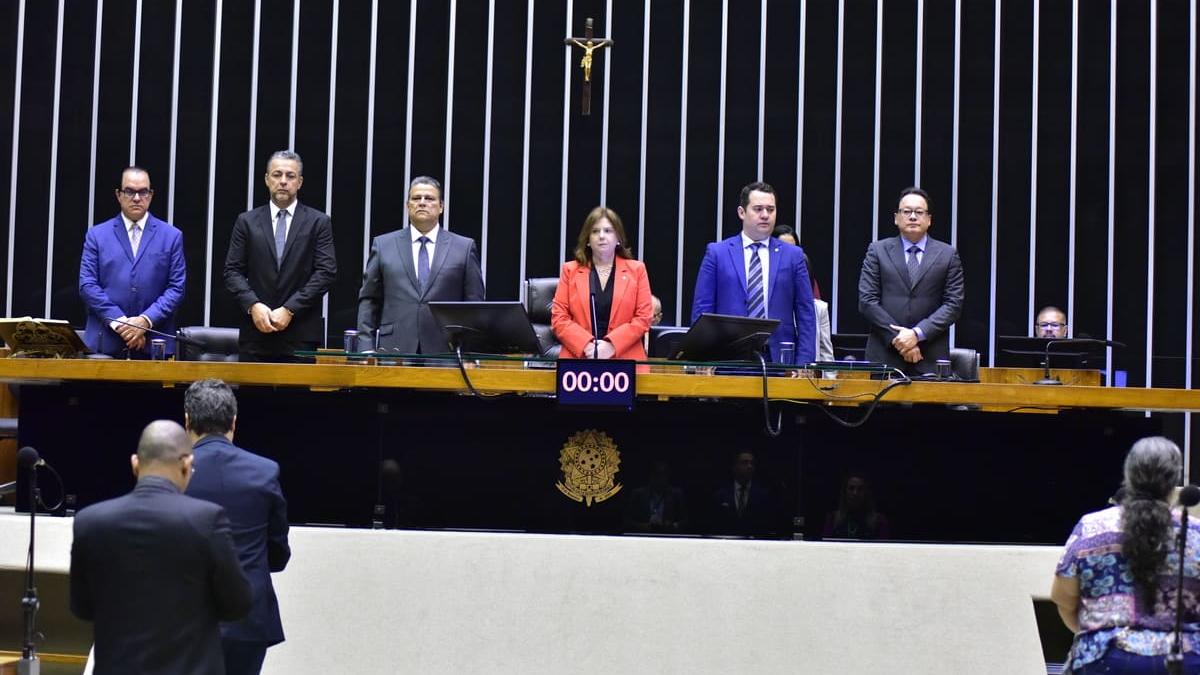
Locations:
column 210, row 406
column 583, row 252
column 134, row 168
column 918, row 192
column 782, row 229
column 426, row 180
column 757, row 186
column 163, row 441
column 1152, row 469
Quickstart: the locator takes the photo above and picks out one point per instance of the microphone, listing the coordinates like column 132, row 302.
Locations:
column 1189, row 495
column 595, row 329
column 28, row 457
column 178, row 337
column 1047, row 378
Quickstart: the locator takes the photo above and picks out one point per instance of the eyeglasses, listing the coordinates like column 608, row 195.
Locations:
column 908, row 213
column 130, row 193
column 1051, row 325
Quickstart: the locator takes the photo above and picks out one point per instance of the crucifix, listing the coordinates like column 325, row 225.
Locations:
column 588, row 43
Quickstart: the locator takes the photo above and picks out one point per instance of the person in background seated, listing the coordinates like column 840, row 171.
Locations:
column 743, row 507
column 656, row 315
column 1115, row 584
column 856, row 517
column 1051, row 323
column 602, row 269
column 657, row 506
column 824, row 344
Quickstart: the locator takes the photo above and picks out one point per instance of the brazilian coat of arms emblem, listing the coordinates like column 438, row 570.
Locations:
column 589, row 461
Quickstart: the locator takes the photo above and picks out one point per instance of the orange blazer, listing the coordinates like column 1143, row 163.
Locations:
column 571, row 314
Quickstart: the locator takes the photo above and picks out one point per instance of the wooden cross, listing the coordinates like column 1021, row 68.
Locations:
column 588, row 43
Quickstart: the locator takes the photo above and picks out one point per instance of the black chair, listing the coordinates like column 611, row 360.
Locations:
column 664, row 341
column 539, row 298
column 207, row 343
column 849, row 346
column 964, row 363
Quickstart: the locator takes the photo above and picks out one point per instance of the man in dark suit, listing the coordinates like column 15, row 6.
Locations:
column 411, row 267
column 247, row 486
column 155, row 570
column 743, row 507
column 910, row 290
column 753, row 274
column 280, row 264
column 131, row 274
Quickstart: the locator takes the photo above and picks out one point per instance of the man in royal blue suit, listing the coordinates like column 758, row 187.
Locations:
column 247, row 486
column 132, row 273
column 753, row 274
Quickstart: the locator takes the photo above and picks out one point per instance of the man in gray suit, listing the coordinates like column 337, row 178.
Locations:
column 910, row 290
column 411, row 267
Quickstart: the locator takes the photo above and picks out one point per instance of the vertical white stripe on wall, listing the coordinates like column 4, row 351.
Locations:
column 1151, row 183
column 329, row 128
column 800, row 121
column 954, row 137
column 525, row 148
column 295, row 73
column 608, row 56
column 212, row 163
column 875, row 203
column 54, row 122
column 95, row 118
column 408, row 104
column 251, row 160
column 1112, row 178
column 1071, row 214
column 487, row 140
column 16, row 150
column 137, row 71
column 645, row 114
column 370, row 167
column 683, row 110
column 995, row 183
column 837, row 166
column 762, row 84
column 449, row 116
column 174, row 111
column 918, row 94
column 566, row 137
column 1191, row 228
column 721, row 119
column 1033, row 163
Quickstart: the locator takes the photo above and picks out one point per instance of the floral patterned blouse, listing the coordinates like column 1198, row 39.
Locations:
column 1108, row 615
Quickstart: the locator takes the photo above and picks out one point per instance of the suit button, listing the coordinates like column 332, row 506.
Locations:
column 133, row 290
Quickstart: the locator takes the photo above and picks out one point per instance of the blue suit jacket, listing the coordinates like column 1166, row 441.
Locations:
column 247, row 486
column 113, row 283
column 721, row 288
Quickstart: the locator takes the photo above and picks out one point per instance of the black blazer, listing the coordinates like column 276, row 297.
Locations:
column 307, row 272
column 932, row 301
column 155, row 570
column 247, row 487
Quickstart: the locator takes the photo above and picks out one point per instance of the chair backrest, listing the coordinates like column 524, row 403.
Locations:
column 208, row 343
column 664, row 340
column 539, row 298
column 964, row 363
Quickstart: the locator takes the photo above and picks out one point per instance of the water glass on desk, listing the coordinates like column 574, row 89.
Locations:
column 158, row 349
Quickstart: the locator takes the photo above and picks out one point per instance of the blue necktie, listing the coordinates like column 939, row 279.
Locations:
column 755, row 308
column 280, row 235
column 423, row 262
column 914, row 263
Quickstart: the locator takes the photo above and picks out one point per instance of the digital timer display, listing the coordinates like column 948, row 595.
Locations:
column 597, row 383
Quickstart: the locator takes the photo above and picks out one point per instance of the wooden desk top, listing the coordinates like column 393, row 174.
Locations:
column 508, row 378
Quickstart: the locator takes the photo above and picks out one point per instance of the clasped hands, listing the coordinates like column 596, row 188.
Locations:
column 905, row 342
column 606, row 350
column 268, row 320
column 133, row 331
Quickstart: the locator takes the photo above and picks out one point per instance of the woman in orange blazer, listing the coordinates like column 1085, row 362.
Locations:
column 603, row 266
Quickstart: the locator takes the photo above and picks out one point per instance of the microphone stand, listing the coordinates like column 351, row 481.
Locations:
column 178, row 336
column 29, row 664
column 1047, row 378
column 595, row 329
column 1188, row 496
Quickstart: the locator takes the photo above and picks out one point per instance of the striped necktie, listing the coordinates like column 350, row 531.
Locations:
column 755, row 307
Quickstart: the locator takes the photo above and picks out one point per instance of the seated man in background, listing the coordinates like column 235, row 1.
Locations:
column 1051, row 323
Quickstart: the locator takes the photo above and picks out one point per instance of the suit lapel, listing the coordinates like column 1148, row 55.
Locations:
column 301, row 221
column 583, row 290
column 148, row 233
column 774, row 256
column 931, row 255
column 404, row 252
column 266, row 230
column 621, row 279
column 896, row 255
column 122, row 236
column 440, row 250
column 737, row 257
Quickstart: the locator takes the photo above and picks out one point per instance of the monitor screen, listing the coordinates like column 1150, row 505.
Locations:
column 486, row 327
column 721, row 337
column 1022, row 351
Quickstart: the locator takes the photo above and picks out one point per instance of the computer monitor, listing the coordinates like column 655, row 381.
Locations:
column 1022, row 351
column 852, row 346
column 486, row 327
column 664, row 341
column 721, row 337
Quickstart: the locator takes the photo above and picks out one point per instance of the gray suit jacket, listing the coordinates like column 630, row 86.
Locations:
column 932, row 301
column 391, row 301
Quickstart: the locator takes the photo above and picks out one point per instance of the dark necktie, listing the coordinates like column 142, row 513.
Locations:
column 741, row 499
column 755, row 308
column 280, row 235
column 914, row 262
column 423, row 262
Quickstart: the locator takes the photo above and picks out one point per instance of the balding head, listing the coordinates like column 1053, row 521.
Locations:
column 164, row 450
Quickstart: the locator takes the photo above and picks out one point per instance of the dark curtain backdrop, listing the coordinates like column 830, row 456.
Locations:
column 838, row 104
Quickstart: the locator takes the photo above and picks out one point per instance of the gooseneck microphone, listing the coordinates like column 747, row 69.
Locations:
column 1047, row 378
column 595, row 330
column 1188, row 496
column 178, row 336
column 28, row 458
